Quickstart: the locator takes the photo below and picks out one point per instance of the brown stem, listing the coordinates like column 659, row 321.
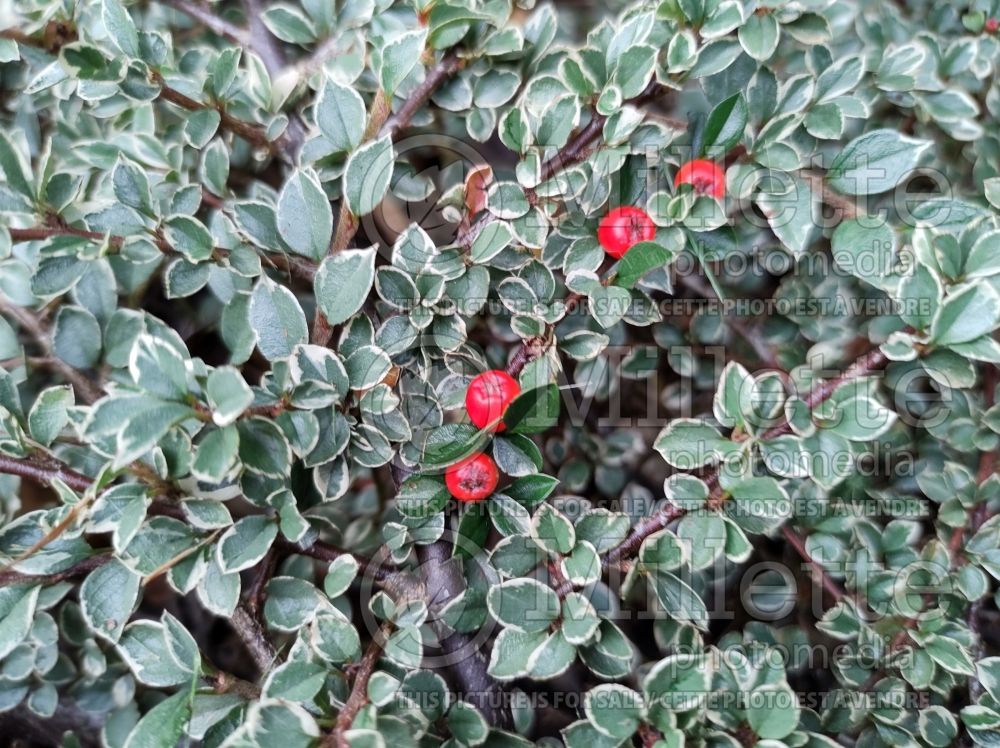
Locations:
column 79, row 569
column 44, row 473
column 262, row 575
column 211, row 21
column 832, row 588
column 228, row 683
column 251, row 132
column 263, row 42
column 444, row 69
column 461, row 653
column 359, row 690
column 250, row 631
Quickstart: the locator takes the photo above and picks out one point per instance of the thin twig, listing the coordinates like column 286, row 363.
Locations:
column 262, row 41
column 819, row 573
column 79, row 569
column 208, row 19
column 441, row 71
column 251, row 132
column 359, row 690
column 43, row 473
column 252, row 634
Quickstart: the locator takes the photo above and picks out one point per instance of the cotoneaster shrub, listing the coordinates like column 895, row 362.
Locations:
column 253, row 254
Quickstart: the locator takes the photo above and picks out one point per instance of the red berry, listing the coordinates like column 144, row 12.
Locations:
column 991, row 25
column 472, row 479
column 707, row 177
column 624, row 227
column 488, row 396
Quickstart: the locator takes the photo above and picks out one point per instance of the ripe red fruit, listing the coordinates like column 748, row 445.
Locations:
column 707, row 177
column 472, row 479
column 488, row 396
column 991, row 25
column 624, row 227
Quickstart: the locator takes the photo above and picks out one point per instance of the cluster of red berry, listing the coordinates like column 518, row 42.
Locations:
column 624, row 227
column 489, row 393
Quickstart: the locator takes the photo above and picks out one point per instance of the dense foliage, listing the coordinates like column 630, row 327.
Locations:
column 738, row 488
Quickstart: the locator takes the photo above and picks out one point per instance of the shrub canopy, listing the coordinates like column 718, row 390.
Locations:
column 252, row 254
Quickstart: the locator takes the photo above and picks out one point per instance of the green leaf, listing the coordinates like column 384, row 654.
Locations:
column 228, row 395
column 158, row 368
column 759, row 36
column 421, row 496
column 552, row 531
column 523, row 605
column 678, row 683
column 759, row 504
column 304, row 218
column 340, row 115
column 531, row 490
column 938, row 726
column 163, row 725
column 289, row 24
column 965, row 315
column 107, row 597
column 189, row 237
column 339, row 575
column 949, row 654
column 875, row 162
column 14, row 170
column 614, row 710
column 76, row 337
column 277, row 319
column 334, row 638
column 17, row 610
column 792, row 213
column 398, row 58
column 452, row 442
column 367, row 175
column 143, row 646
column 405, row 647
column 724, row 128
column 121, row 27
column 641, row 259
column 866, row 252
column 688, row 443
column 343, row 282
column 244, row 544
column 131, row 185
column 49, row 414
column 264, row 449
column 534, row 411
column 466, row 724
column 773, row 711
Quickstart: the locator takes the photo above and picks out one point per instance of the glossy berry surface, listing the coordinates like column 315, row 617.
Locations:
column 991, row 26
column 707, row 177
column 624, row 227
column 472, row 479
column 488, row 396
